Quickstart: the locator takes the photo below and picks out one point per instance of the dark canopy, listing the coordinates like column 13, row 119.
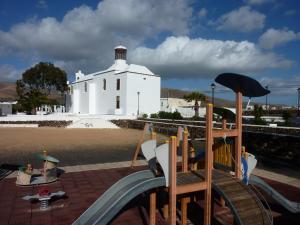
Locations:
column 225, row 113
column 240, row 83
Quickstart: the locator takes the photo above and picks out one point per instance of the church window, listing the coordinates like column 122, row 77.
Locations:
column 85, row 87
column 104, row 84
column 118, row 84
column 117, row 102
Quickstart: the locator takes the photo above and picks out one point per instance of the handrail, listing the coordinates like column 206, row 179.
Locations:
column 259, row 196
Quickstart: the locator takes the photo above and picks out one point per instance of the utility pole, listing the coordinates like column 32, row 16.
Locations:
column 213, row 93
column 138, row 110
column 267, row 108
column 298, row 112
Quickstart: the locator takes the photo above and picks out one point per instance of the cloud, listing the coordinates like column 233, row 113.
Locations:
column 282, row 86
column 202, row 13
column 243, row 19
column 290, row 12
column 182, row 57
column 42, row 4
column 85, row 37
column 258, row 2
column 9, row 73
column 273, row 37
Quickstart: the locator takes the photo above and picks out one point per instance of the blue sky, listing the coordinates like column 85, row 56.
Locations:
column 187, row 42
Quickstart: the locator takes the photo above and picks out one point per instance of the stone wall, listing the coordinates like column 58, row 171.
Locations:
column 46, row 123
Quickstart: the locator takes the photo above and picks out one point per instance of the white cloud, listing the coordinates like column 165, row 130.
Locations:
column 243, row 19
column 273, row 37
column 42, row 4
column 199, row 58
column 85, row 37
column 258, row 2
column 202, row 13
column 9, row 73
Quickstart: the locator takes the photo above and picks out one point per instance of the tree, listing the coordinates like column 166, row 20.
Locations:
column 258, row 112
column 286, row 115
column 195, row 96
column 38, row 84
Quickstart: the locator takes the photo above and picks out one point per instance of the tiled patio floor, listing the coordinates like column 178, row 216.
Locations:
column 83, row 188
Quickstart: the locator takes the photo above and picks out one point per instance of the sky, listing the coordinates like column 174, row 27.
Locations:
column 187, row 42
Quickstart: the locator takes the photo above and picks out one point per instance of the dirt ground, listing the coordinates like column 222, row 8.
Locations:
column 19, row 146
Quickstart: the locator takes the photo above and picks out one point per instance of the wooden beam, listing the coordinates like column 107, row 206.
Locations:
column 138, row 147
column 152, row 208
column 188, row 188
column 185, row 151
column 184, row 201
column 225, row 133
column 208, row 163
column 172, row 180
column 238, row 138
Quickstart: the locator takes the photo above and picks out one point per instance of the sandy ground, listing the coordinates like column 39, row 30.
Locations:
column 70, row 146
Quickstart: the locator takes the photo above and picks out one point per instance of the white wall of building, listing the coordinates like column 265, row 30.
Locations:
column 6, row 108
column 149, row 98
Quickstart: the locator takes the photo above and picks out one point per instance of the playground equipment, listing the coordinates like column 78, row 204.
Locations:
column 245, row 205
column 44, row 196
column 28, row 176
column 148, row 129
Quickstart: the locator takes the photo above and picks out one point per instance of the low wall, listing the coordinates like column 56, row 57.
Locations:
column 46, row 123
column 268, row 144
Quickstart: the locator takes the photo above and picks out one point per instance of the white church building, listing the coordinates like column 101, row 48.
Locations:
column 122, row 89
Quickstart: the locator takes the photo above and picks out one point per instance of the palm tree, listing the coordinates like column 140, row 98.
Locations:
column 195, row 96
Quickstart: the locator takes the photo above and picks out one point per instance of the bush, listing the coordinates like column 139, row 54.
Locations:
column 168, row 115
column 154, row 115
column 177, row 115
column 165, row 115
column 144, row 116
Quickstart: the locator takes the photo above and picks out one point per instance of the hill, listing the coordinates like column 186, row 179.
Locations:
column 176, row 93
column 7, row 91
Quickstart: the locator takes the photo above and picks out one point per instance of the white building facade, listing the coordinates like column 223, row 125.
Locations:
column 6, row 108
column 122, row 89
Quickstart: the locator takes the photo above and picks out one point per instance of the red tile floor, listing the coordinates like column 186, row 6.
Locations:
column 83, row 188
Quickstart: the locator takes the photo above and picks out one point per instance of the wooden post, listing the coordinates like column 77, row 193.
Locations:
column 166, row 211
column 224, row 126
column 153, row 208
column 153, row 135
column 184, row 201
column 208, row 164
column 193, row 166
column 172, row 180
column 185, row 151
column 224, row 123
column 238, row 138
column 138, row 147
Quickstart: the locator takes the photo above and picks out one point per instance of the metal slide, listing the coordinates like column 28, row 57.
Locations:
column 117, row 196
column 291, row 206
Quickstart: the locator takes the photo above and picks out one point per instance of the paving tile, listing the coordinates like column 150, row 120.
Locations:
column 84, row 187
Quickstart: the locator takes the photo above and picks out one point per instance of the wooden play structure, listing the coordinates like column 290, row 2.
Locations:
column 185, row 183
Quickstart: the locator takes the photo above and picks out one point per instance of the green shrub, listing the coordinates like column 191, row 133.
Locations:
column 176, row 115
column 169, row 115
column 154, row 115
